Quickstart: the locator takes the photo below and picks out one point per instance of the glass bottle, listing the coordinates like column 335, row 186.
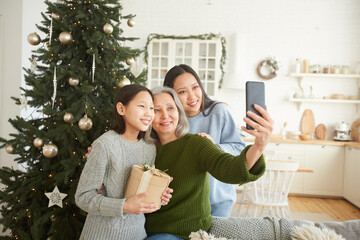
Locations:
column 298, row 66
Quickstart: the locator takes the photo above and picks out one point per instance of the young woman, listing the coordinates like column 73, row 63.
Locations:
column 189, row 158
column 212, row 120
column 110, row 215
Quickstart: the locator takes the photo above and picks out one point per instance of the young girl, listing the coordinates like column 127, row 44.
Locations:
column 212, row 120
column 110, row 215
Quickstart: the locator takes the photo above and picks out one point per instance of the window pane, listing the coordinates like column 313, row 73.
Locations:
column 164, row 48
column 202, row 63
column 211, row 63
column 179, row 49
column 202, row 50
column 188, row 49
column 155, row 62
column 164, row 62
column 212, row 49
column 202, row 74
column 163, row 73
column 155, row 74
column 210, row 89
column 188, row 61
column 178, row 61
column 211, row 76
column 154, row 84
column 155, row 49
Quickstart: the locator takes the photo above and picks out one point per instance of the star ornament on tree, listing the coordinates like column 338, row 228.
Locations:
column 55, row 197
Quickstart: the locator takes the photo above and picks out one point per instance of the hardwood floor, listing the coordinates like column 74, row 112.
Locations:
column 338, row 209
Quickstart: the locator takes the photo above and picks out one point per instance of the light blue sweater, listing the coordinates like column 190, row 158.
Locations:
column 222, row 128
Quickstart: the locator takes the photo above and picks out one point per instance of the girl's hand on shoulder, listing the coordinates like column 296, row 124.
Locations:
column 134, row 205
column 263, row 126
column 89, row 150
column 167, row 194
column 205, row 135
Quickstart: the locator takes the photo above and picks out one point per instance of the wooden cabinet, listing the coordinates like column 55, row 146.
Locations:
column 327, row 163
column 352, row 175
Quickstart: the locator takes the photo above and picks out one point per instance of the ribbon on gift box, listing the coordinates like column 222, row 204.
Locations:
column 146, row 177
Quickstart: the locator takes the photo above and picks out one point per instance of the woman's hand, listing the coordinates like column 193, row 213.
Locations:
column 165, row 198
column 263, row 128
column 134, row 205
column 89, row 150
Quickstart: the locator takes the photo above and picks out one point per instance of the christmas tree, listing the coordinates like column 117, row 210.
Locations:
column 75, row 73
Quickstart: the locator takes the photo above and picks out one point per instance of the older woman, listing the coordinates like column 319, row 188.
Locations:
column 189, row 158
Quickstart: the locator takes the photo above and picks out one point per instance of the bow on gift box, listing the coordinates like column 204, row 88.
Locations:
column 146, row 177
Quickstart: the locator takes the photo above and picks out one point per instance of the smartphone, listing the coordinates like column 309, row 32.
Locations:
column 255, row 94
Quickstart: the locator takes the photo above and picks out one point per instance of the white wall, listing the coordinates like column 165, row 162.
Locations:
column 10, row 68
column 322, row 31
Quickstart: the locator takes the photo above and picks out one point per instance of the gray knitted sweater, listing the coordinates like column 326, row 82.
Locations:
column 110, row 163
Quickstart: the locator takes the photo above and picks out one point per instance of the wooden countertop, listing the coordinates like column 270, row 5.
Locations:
column 276, row 139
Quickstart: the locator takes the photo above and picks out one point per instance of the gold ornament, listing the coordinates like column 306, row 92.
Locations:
column 67, row 117
column 85, row 123
column 130, row 61
column 65, row 38
column 73, row 81
column 50, row 150
column 131, row 22
column 123, row 82
column 108, row 28
column 56, row 16
column 33, row 38
column 38, row 142
column 9, row 149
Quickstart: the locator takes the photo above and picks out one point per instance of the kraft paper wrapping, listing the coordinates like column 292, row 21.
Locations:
column 153, row 182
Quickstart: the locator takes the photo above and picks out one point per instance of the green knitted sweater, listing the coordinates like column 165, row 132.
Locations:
column 188, row 160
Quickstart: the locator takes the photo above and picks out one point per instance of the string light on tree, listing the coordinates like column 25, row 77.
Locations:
column 50, row 150
column 108, row 28
column 33, row 38
column 65, row 38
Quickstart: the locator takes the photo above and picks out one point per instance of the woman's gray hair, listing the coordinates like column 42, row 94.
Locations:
column 183, row 125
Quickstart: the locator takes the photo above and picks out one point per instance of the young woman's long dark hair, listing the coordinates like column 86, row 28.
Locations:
column 125, row 95
column 176, row 71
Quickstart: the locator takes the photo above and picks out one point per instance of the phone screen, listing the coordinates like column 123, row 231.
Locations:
column 255, row 94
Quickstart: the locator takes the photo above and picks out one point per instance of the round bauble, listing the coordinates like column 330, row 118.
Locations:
column 65, row 38
column 33, row 38
column 50, row 150
column 85, row 123
column 9, row 149
column 68, row 117
column 108, row 28
column 123, row 82
column 38, row 142
column 131, row 22
column 73, row 81
column 130, row 61
column 56, row 16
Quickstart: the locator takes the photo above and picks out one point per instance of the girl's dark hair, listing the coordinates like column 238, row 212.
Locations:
column 176, row 71
column 125, row 95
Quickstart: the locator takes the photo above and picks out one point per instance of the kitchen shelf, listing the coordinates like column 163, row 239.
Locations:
column 300, row 101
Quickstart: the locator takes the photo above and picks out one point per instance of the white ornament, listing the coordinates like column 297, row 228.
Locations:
column 33, row 65
column 54, row 94
column 93, row 68
column 136, row 68
column 23, row 103
column 55, row 197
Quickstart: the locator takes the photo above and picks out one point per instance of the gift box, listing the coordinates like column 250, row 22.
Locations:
column 147, row 179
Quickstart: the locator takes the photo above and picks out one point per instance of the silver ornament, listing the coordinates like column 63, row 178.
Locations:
column 108, row 28
column 85, row 123
column 131, row 22
column 50, row 150
column 67, row 117
column 123, row 82
column 38, row 142
column 65, row 38
column 130, row 61
column 33, row 38
column 9, row 149
column 73, row 81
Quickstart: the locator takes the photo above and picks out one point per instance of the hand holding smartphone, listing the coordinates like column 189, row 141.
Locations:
column 255, row 94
